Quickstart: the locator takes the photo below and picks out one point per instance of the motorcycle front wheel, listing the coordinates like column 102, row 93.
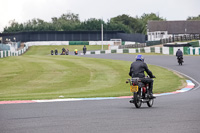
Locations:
column 137, row 100
column 150, row 102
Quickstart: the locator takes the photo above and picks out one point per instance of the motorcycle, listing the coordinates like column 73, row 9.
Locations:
column 180, row 60
column 76, row 52
column 51, row 52
column 140, row 91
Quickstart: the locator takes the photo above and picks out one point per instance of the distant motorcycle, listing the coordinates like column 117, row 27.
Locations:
column 140, row 92
column 56, row 52
column 180, row 60
column 76, row 52
column 51, row 52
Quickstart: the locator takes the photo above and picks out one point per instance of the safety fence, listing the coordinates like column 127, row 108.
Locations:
column 7, row 53
column 161, row 50
column 190, row 43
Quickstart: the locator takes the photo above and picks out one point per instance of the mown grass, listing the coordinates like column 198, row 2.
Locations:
column 38, row 75
column 44, row 50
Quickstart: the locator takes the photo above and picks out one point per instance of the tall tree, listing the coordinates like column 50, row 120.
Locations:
column 13, row 26
column 127, row 20
column 70, row 21
column 194, row 18
column 145, row 18
column 91, row 24
column 66, row 22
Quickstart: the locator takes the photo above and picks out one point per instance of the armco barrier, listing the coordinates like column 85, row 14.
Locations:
column 132, row 50
column 8, row 53
column 125, row 51
column 1, row 54
column 162, row 50
column 157, row 50
column 119, row 51
column 199, row 51
column 194, row 51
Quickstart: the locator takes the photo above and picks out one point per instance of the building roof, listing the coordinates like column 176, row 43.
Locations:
column 175, row 27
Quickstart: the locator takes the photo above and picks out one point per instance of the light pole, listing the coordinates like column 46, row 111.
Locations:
column 102, row 36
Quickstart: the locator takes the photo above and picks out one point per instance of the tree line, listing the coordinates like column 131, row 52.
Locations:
column 71, row 22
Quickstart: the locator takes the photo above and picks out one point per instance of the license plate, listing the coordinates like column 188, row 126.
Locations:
column 134, row 88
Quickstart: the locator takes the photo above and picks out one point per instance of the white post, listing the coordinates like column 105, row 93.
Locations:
column 102, row 35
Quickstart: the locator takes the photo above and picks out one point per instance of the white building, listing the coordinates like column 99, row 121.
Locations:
column 157, row 30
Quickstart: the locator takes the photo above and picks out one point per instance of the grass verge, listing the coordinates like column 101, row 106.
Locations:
column 37, row 75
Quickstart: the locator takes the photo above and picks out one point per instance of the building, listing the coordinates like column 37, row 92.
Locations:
column 158, row 30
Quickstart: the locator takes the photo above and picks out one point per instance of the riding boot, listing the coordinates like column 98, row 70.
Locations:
column 151, row 90
column 131, row 100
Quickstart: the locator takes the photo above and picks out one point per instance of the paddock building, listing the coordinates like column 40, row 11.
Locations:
column 179, row 30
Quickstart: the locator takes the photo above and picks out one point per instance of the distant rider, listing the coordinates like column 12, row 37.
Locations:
column 179, row 54
column 67, row 51
column 51, row 52
column 84, row 49
column 137, row 70
column 63, row 51
column 75, row 51
column 56, row 52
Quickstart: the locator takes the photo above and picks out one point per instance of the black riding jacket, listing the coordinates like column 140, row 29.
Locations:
column 179, row 53
column 137, row 69
column 84, row 49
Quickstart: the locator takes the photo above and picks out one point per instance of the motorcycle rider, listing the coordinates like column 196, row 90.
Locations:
column 63, row 51
column 56, row 52
column 84, row 49
column 179, row 54
column 137, row 70
column 75, row 51
column 51, row 52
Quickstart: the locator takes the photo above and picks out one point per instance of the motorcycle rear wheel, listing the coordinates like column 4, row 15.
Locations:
column 137, row 100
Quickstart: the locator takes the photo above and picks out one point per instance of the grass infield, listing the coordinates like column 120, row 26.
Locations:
column 38, row 75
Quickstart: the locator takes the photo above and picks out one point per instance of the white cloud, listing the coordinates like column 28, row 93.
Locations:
column 24, row 10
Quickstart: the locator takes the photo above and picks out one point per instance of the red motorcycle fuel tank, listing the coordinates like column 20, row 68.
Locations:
column 144, row 89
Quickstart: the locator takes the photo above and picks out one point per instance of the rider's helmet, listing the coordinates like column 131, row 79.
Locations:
column 139, row 57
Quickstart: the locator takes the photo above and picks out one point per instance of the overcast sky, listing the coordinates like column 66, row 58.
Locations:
column 24, row 10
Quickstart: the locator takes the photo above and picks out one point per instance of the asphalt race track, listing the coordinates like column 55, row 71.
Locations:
column 177, row 113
